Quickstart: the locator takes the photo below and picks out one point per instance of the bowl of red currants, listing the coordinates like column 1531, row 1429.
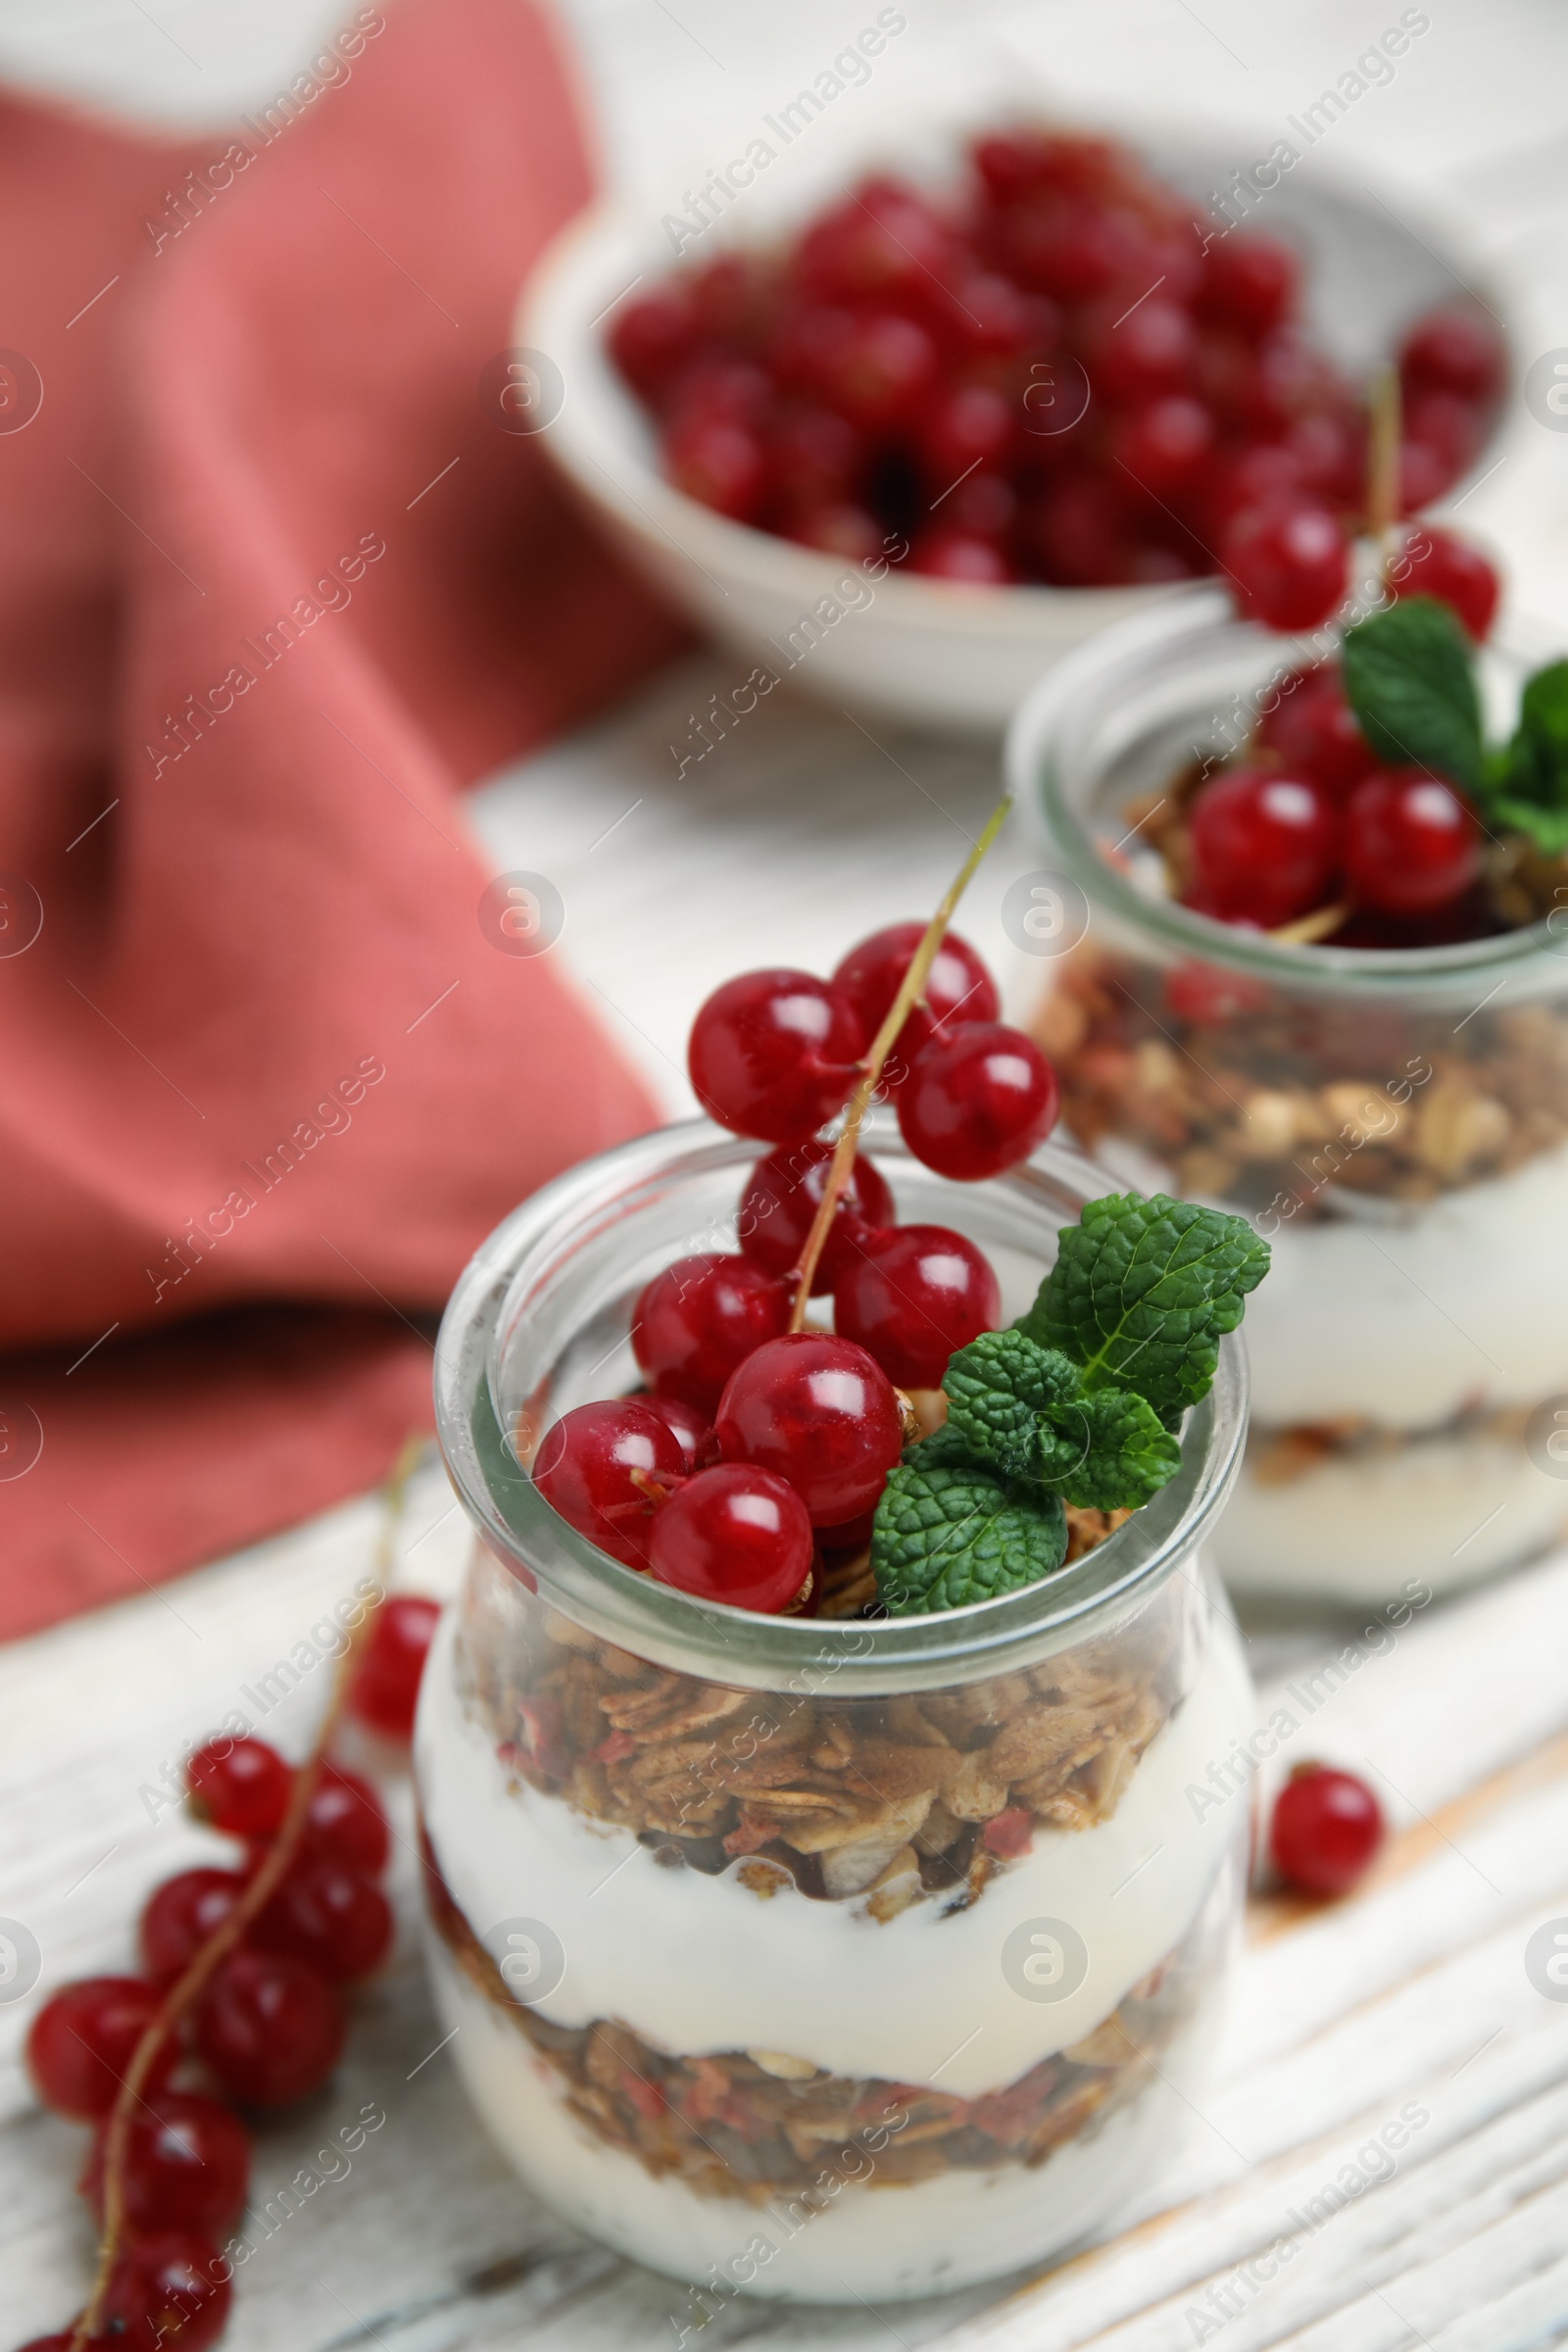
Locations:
column 904, row 447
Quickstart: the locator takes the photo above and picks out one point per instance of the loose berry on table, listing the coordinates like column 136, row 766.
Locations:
column 1327, row 1827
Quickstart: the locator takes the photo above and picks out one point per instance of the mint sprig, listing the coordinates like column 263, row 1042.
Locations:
column 1025, row 1411
column 1409, row 677
column 1079, row 1402
column 1142, row 1291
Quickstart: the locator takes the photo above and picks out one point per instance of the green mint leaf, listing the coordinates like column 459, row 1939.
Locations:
column 1410, row 680
column 1525, row 788
column 946, row 1536
column 1023, row 1409
column 1142, row 1291
column 1012, row 1403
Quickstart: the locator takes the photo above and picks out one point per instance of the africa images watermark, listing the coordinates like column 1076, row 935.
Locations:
column 186, row 728
column 1373, row 68
column 186, row 1251
column 200, row 189
column 855, row 592
column 327, row 1639
column 1229, row 1774
column 1375, row 2162
column 849, row 70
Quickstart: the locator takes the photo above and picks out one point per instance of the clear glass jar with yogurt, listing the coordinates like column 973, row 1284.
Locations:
column 1395, row 1124
column 831, row 1957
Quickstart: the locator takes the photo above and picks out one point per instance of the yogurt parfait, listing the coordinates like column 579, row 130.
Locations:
column 1319, row 974
column 817, row 1896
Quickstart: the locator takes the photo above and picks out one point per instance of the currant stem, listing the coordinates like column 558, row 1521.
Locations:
column 230, row 1929
column 1383, row 466
column 910, row 989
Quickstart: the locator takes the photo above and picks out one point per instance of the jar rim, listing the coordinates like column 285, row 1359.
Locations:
column 736, row 1646
column 1097, row 672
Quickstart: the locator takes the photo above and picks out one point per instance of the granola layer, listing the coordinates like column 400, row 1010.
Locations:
column 898, row 1800
column 754, row 2125
column 1263, row 1099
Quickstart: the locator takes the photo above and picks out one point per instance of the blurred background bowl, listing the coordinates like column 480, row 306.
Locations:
column 921, row 651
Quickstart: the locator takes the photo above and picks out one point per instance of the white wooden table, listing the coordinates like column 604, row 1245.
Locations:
column 801, row 833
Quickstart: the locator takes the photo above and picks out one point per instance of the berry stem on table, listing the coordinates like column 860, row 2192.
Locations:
column 898, row 1012
column 261, row 1888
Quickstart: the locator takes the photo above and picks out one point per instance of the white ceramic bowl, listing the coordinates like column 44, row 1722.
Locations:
column 908, row 647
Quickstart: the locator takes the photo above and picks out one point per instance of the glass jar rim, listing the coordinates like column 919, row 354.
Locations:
column 735, row 1645
column 1095, row 673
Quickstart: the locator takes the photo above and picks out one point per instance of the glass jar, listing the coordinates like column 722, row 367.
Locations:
column 1395, row 1124
column 831, row 1957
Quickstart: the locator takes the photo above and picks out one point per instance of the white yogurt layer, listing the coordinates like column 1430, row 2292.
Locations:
column 1409, row 1321
column 699, row 1965
column 1446, row 1509
column 864, row 2240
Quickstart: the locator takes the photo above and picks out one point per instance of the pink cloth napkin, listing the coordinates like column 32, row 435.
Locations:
column 278, row 584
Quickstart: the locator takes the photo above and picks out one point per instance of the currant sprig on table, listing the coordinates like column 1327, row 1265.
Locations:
column 243, row 1974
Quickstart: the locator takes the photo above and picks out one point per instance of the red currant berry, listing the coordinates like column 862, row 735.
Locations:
column 1436, row 564
column 1327, row 1827
column 1315, row 732
column 782, row 1195
column 651, row 339
column 239, row 1786
column 1249, row 281
column 967, row 425
column 1265, row 847
column 737, row 1534
column 180, row 1915
column 877, row 368
column 844, row 529
column 913, row 1295
column 1410, row 843
column 946, row 552
column 82, row 2041
column 885, row 244
column 386, row 1686
column 1288, row 563
column 958, row 988
column 1137, row 354
column 1165, row 444
column 699, row 1318
column 821, row 1413
column 1453, row 351
column 171, row 2293
column 58, row 2344
column 719, row 462
column 814, row 456
column 1081, row 534
column 691, row 1429
column 773, row 1053
column 587, row 1468
column 344, row 1822
column 270, row 2028
column 335, row 1919
column 977, row 1100
column 187, row 2163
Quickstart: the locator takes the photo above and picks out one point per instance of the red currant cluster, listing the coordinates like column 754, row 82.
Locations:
column 918, row 368
column 1312, row 818
column 266, row 2025
column 759, row 1442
